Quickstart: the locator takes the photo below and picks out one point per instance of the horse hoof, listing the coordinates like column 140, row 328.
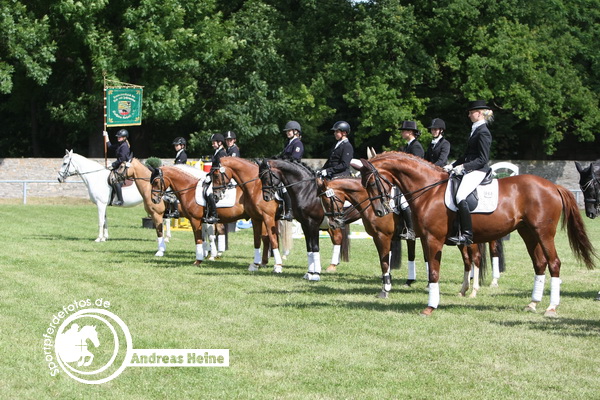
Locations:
column 197, row 262
column 529, row 309
column 427, row 312
column 211, row 258
column 473, row 295
column 331, row 268
column 461, row 294
column 494, row 283
column 253, row 267
column 167, row 239
column 159, row 253
column 383, row 295
column 277, row 269
column 551, row 313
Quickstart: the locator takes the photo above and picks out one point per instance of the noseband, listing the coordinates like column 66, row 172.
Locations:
column 592, row 186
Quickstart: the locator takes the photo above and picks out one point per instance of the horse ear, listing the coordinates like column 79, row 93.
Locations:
column 579, row 167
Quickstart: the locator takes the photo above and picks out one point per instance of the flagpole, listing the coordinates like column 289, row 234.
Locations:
column 104, row 139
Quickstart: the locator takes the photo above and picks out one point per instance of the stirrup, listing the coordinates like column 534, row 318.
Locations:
column 287, row 217
column 409, row 234
column 211, row 220
column 461, row 240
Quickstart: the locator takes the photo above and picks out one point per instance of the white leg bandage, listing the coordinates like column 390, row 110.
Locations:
column 162, row 246
column 213, row 246
column 538, row 288
column 434, row 295
column 200, row 252
column 277, row 257
column 554, row 292
column 311, row 262
column 221, row 243
column 495, row 267
column 257, row 257
column 427, row 271
column 335, row 257
column 387, row 286
column 412, row 270
column 317, row 262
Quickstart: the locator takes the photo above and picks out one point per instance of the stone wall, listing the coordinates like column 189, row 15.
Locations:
column 562, row 172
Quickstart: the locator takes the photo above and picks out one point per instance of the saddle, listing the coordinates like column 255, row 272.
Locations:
column 114, row 179
column 484, row 199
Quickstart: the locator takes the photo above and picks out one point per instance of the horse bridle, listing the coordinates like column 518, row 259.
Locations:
column 594, row 184
column 378, row 180
column 271, row 187
column 385, row 197
column 67, row 174
column 338, row 213
column 227, row 180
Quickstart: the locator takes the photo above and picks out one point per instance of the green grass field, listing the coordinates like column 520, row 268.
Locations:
column 288, row 338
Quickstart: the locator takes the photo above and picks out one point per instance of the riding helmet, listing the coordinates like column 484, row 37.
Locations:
column 217, row 137
column 180, row 140
column 230, row 135
column 437, row 123
column 292, row 125
column 122, row 133
column 341, row 126
column 410, row 126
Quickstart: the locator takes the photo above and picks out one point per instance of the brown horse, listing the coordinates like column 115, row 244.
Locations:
column 245, row 175
column 183, row 180
column 140, row 174
column 336, row 192
column 529, row 204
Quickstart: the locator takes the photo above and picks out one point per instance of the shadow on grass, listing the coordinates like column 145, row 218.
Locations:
column 558, row 326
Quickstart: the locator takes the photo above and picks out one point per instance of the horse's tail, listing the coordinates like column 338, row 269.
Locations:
column 345, row 249
column 483, row 265
column 285, row 236
column 578, row 238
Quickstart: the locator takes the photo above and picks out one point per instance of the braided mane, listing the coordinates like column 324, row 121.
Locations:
column 388, row 154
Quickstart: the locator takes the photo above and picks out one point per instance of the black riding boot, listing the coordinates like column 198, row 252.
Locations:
column 119, row 193
column 210, row 211
column 287, row 207
column 408, row 233
column 465, row 233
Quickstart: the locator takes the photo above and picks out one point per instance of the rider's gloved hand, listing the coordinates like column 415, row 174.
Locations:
column 459, row 170
column 448, row 168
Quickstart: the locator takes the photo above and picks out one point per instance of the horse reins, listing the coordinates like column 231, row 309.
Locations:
column 409, row 196
column 594, row 183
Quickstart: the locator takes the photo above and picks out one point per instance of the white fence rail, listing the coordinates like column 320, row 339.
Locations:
column 25, row 184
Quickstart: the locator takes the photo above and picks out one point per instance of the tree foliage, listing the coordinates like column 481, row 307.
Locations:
column 212, row 65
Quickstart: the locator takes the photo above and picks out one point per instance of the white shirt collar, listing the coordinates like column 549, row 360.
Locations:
column 476, row 125
column 340, row 142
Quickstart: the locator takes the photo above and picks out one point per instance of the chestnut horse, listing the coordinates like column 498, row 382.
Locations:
column 336, row 192
column 301, row 184
column 140, row 174
column 527, row 203
column 183, row 181
column 589, row 182
column 245, row 175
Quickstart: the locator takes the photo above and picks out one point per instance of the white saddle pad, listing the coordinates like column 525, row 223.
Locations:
column 226, row 202
column 488, row 198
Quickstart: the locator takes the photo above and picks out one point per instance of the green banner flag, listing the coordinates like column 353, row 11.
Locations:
column 123, row 106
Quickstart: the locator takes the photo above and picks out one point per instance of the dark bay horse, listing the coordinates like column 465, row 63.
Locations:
column 334, row 193
column 529, row 204
column 300, row 181
column 183, row 180
column 245, row 174
column 589, row 182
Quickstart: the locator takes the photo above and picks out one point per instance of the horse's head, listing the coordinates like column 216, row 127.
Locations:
column 332, row 203
column 589, row 182
column 89, row 332
column 377, row 186
column 269, row 180
column 159, row 186
column 67, row 168
column 221, row 177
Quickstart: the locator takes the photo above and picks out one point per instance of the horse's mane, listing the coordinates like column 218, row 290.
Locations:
column 299, row 164
column 242, row 159
column 190, row 171
column 395, row 154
